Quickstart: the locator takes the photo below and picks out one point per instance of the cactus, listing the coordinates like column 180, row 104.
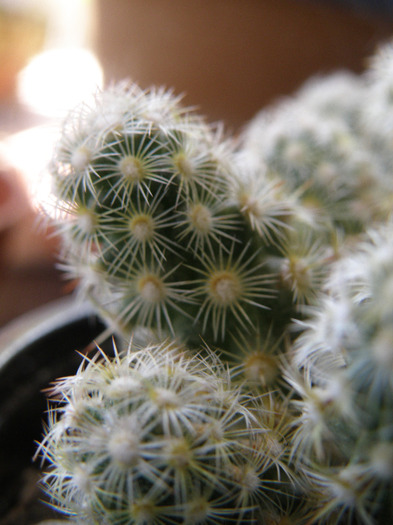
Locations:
column 160, row 436
column 319, row 144
column 164, row 227
column 167, row 225
column 177, row 232
column 146, row 207
column 344, row 430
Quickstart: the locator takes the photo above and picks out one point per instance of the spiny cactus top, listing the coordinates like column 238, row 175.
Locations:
column 344, row 436
column 326, row 143
column 160, row 224
column 159, row 437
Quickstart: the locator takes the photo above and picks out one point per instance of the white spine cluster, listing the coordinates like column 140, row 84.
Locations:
column 344, row 430
column 158, row 436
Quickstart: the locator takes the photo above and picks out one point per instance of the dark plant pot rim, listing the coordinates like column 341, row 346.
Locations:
column 35, row 350
column 32, row 326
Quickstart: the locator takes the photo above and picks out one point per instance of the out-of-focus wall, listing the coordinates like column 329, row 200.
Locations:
column 231, row 57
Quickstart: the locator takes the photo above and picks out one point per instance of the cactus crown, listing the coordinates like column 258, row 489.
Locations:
column 157, row 436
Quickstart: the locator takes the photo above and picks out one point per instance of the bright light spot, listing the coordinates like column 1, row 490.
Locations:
column 29, row 152
column 58, row 79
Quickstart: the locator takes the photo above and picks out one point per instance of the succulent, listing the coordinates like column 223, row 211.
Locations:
column 153, row 222
column 159, row 435
column 167, row 225
column 183, row 235
column 318, row 143
column 343, row 375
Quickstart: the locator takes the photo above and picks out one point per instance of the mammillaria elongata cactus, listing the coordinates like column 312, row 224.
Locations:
column 344, row 434
column 170, row 228
column 158, row 232
column 160, row 436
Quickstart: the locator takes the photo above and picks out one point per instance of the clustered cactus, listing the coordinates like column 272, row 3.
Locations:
column 214, row 252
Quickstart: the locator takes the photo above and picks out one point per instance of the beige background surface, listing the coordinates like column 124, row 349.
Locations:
column 231, row 57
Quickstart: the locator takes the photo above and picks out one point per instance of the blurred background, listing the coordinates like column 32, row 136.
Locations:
column 229, row 58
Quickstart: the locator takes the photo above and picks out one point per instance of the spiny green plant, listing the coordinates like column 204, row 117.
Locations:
column 343, row 374
column 161, row 436
column 167, row 225
column 143, row 208
column 318, row 143
column 163, row 227
column 170, row 227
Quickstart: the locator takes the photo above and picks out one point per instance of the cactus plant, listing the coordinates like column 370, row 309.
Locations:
column 160, row 436
column 175, row 231
column 165, row 227
column 148, row 226
column 165, row 224
column 344, row 430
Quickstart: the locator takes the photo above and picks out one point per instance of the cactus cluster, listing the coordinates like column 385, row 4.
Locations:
column 183, row 235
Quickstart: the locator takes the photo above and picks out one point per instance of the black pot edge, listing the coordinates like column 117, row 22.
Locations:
column 34, row 325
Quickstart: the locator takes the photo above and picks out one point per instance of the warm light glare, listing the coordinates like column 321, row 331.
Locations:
column 58, row 79
column 30, row 151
